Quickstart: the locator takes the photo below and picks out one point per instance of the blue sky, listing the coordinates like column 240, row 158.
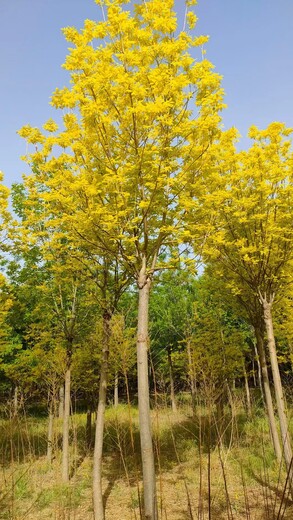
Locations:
column 251, row 45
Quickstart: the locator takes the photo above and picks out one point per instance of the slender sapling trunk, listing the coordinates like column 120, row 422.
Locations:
column 116, row 390
column 66, row 417
column 50, row 431
column 15, row 402
column 259, row 376
column 61, row 402
column 172, row 388
column 88, row 433
column 147, row 453
column 247, row 392
column 268, row 395
column 281, row 407
column 99, row 513
column 191, row 377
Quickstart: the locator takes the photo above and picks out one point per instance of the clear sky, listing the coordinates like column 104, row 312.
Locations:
column 251, row 45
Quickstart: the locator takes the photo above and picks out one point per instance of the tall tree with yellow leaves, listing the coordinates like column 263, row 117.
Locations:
column 140, row 116
column 253, row 238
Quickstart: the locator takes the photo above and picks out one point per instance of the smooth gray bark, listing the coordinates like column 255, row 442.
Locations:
column 99, row 513
column 268, row 395
column 147, row 453
column 66, row 417
column 281, row 407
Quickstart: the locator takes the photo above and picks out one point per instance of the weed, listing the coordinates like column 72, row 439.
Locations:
column 228, row 474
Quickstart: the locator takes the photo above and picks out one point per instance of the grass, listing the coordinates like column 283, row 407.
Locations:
column 201, row 474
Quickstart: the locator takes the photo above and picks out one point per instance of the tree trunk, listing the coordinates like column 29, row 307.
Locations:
column 116, row 390
column 268, row 395
column 172, row 390
column 253, row 374
column 61, row 402
column 229, row 394
column 191, row 377
column 66, row 417
column 99, row 513
column 50, row 432
column 286, row 442
column 247, row 391
column 15, row 402
column 220, row 410
column 259, row 376
column 88, row 430
column 147, row 453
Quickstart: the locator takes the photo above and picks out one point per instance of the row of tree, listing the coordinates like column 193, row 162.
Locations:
column 142, row 180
